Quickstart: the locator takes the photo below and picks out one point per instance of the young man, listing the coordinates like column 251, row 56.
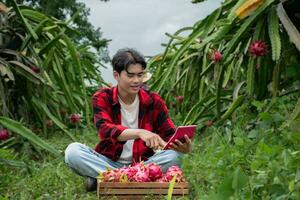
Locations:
column 131, row 123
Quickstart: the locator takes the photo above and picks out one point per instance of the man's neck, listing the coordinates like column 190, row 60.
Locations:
column 125, row 97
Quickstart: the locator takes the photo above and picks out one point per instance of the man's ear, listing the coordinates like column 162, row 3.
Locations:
column 116, row 75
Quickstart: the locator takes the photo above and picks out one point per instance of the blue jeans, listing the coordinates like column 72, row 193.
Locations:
column 87, row 162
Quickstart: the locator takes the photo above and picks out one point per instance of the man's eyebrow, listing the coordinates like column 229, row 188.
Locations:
column 135, row 73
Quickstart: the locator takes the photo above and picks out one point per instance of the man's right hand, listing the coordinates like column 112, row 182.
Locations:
column 152, row 140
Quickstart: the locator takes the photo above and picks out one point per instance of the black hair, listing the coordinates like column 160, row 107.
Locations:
column 125, row 57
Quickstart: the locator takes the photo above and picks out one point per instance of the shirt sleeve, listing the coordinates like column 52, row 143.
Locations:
column 162, row 122
column 106, row 128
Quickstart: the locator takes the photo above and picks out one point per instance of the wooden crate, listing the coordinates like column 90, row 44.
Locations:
column 129, row 191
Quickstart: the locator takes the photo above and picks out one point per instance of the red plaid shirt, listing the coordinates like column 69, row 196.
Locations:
column 153, row 116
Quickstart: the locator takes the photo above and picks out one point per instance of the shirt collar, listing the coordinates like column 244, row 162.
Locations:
column 144, row 97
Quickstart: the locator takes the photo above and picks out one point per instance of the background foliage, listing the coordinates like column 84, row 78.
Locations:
column 250, row 157
column 212, row 89
column 45, row 75
column 84, row 31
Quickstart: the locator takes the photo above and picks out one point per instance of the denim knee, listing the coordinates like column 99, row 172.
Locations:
column 72, row 152
column 174, row 157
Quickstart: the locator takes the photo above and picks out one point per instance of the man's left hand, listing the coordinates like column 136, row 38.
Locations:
column 185, row 147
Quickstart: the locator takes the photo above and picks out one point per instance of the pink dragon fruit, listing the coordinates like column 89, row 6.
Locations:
column 107, row 176
column 155, row 172
column 180, row 99
column 258, row 48
column 139, row 166
column 142, row 176
column 129, row 172
column 112, row 176
column 140, row 172
column 216, row 56
column 35, row 69
column 174, row 105
column 74, row 118
column 4, row 134
column 172, row 171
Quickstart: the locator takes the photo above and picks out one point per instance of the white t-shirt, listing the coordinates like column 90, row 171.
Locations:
column 129, row 118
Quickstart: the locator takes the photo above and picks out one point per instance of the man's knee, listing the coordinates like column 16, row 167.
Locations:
column 174, row 157
column 72, row 152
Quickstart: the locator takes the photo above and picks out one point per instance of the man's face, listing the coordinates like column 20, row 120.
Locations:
column 131, row 80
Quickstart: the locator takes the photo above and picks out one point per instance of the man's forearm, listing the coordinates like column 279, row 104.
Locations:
column 129, row 134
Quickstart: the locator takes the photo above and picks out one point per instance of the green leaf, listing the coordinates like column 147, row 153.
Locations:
column 239, row 179
column 77, row 62
column 225, row 189
column 244, row 27
column 273, row 28
column 171, row 187
column 26, row 24
column 18, row 128
column 235, row 104
column 50, row 44
column 52, row 117
column 14, row 163
column 27, row 72
column 238, row 141
column 196, row 33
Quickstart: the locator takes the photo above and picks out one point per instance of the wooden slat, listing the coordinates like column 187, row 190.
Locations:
column 140, row 185
column 137, row 197
column 118, row 191
column 134, row 190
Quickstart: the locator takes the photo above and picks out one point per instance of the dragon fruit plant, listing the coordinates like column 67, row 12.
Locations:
column 139, row 172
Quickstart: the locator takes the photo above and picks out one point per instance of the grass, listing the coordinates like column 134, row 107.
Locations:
column 47, row 179
column 249, row 157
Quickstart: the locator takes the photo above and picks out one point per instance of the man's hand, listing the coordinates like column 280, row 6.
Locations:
column 152, row 140
column 185, row 147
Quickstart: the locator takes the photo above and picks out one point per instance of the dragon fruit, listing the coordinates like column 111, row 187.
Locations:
column 139, row 166
column 174, row 171
column 111, row 176
column 258, row 48
column 142, row 176
column 174, row 105
column 140, row 172
column 129, row 172
column 180, row 99
column 216, row 56
column 35, row 69
column 74, row 118
column 155, row 171
column 4, row 134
